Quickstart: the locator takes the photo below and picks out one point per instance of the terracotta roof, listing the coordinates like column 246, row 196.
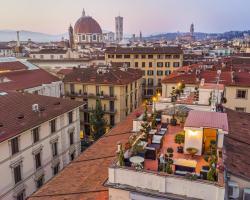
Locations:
column 237, row 144
column 87, row 24
column 50, row 51
column 12, row 66
column 192, row 78
column 144, row 50
column 84, row 177
column 205, row 119
column 20, row 80
column 64, row 71
column 112, row 76
column 241, row 79
column 16, row 113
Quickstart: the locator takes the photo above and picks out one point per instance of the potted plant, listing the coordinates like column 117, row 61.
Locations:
column 169, row 160
column 121, row 158
column 179, row 139
column 192, row 151
column 153, row 123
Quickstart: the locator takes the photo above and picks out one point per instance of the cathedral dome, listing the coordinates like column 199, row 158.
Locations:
column 87, row 24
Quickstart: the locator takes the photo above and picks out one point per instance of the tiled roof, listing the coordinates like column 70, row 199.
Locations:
column 64, row 71
column 237, row 144
column 144, row 50
column 111, row 76
column 84, row 177
column 192, row 78
column 204, row 119
column 12, row 66
column 20, row 80
column 16, row 113
column 241, row 79
column 50, row 51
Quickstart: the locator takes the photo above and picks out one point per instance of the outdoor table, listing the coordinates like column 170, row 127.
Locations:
column 136, row 160
column 157, row 139
column 152, row 132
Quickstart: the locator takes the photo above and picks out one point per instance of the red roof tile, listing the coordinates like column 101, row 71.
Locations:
column 12, row 66
column 84, row 178
column 204, row 119
column 15, row 104
column 20, row 80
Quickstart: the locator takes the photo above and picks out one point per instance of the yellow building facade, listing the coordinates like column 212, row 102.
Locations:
column 117, row 99
column 155, row 62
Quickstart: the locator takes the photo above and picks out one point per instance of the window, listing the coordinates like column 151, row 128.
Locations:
column 150, row 64
column 241, row 94
column 159, row 73
column 17, row 174
column 176, row 64
column 52, row 56
column 111, row 106
column 167, row 56
column 41, row 56
column 71, row 138
column 143, row 56
column 111, row 91
column 61, row 56
column 143, row 64
column 39, row 182
column 127, row 64
column 83, row 37
column 131, row 86
column 150, row 82
column 160, row 56
column 94, row 37
column 159, row 64
column 240, row 109
column 56, row 169
column 70, row 117
column 20, row 196
column 150, row 72
column 167, row 72
column 54, row 149
column 167, row 64
column 38, row 160
column 126, row 56
column 118, row 56
column 136, row 56
column 150, row 56
column 14, row 146
column 97, row 89
column 136, row 64
column 53, row 126
column 176, row 56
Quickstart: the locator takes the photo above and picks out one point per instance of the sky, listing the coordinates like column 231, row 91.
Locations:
column 148, row 16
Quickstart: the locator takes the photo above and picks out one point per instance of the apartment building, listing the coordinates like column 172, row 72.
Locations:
column 39, row 136
column 22, row 76
column 118, row 88
column 155, row 62
column 236, row 86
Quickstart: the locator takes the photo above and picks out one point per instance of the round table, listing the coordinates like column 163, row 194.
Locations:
column 136, row 159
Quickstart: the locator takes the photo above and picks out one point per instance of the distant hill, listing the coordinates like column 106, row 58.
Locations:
column 9, row 35
column 199, row 35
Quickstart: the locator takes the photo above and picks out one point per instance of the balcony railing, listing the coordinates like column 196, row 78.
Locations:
column 110, row 111
column 91, row 95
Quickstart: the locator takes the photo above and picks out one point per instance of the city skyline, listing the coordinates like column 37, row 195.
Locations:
column 165, row 16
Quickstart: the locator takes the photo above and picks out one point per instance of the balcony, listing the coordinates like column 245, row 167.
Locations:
column 91, row 95
column 110, row 111
column 101, row 96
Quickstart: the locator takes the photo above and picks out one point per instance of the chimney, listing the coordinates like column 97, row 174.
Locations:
column 202, row 82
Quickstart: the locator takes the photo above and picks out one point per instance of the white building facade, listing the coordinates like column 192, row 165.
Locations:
column 32, row 158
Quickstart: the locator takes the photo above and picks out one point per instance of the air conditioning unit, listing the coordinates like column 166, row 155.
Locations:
column 35, row 107
column 246, row 194
column 233, row 190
